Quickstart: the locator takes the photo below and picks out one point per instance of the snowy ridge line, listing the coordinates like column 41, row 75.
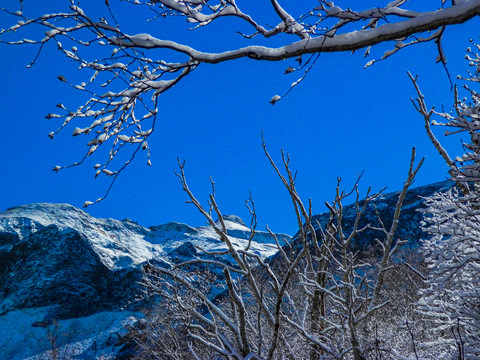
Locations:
column 125, row 243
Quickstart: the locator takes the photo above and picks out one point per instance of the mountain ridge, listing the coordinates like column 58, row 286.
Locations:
column 60, row 265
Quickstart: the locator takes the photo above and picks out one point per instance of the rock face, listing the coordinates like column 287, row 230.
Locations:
column 62, row 268
column 58, row 256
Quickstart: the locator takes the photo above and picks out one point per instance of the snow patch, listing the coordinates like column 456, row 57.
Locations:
column 24, row 335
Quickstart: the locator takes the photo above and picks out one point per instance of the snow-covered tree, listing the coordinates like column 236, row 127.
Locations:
column 451, row 300
column 129, row 67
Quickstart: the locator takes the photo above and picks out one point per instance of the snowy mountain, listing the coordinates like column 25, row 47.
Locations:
column 75, row 280
column 59, row 264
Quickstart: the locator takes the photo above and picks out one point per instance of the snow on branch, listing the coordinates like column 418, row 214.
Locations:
column 463, row 118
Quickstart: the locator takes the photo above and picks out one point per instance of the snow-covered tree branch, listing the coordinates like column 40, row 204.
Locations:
column 130, row 70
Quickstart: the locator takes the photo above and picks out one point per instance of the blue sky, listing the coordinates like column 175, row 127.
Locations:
column 341, row 120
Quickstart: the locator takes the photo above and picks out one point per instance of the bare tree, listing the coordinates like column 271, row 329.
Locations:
column 313, row 300
column 128, row 72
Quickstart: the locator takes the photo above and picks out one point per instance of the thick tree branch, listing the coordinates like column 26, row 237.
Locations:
column 351, row 41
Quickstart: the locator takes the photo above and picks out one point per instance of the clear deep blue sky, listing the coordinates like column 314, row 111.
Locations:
column 341, row 120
